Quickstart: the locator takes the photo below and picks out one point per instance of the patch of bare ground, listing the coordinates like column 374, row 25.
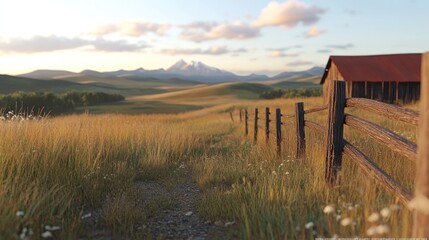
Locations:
column 170, row 211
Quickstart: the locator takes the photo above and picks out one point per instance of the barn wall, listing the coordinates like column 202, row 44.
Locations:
column 333, row 74
column 390, row 92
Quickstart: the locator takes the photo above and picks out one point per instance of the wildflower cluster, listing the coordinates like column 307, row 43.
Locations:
column 11, row 116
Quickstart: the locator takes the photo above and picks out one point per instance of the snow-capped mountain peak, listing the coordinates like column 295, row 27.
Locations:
column 195, row 68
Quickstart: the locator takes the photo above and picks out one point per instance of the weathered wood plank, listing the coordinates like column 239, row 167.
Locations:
column 300, row 133
column 376, row 173
column 279, row 131
column 421, row 190
column 390, row 139
column 267, row 124
column 255, row 128
column 334, row 141
column 316, row 109
column 391, row 111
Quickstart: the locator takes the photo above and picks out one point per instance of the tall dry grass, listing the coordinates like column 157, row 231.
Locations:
column 55, row 170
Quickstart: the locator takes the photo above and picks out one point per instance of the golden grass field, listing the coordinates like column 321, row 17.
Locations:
column 54, row 170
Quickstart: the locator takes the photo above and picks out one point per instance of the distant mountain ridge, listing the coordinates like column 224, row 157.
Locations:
column 195, row 71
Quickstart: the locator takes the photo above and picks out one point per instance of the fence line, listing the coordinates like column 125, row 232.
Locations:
column 337, row 146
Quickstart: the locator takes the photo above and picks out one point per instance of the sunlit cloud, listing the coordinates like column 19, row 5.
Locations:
column 288, row 14
column 215, row 50
column 133, row 29
column 314, row 32
column 55, row 43
column 204, row 31
column 279, row 54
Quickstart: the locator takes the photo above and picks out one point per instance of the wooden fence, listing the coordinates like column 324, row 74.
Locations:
column 337, row 146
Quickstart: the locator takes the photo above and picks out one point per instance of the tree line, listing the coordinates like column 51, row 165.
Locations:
column 291, row 93
column 43, row 102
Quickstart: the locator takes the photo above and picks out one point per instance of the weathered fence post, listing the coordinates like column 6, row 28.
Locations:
column 255, row 132
column 300, row 134
column 267, row 124
column 334, row 142
column 241, row 115
column 232, row 118
column 279, row 131
column 246, row 122
column 421, row 190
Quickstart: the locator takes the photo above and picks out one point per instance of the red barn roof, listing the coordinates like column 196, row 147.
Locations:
column 378, row 68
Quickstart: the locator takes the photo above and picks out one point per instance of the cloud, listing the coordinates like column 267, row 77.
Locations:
column 324, row 51
column 314, row 32
column 116, row 46
column 288, row 14
column 284, row 48
column 55, row 43
column 279, row 54
column 205, row 31
column 133, row 29
column 340, row 46
column 215, row 50
column 41, row 44
column 300, row 63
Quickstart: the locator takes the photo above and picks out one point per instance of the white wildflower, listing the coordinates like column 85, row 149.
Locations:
column 385, row 212
column 188, row 214
column 20, row 213
column 329, row 209
column 371, row 231
column 309, row 225
column 346, row 222
column 274, row 173
column 382, row 229
column 287, row 173
column 46, row 234
column 52, row 228
column 86, row 216
column 374, row 217
column 338, row 217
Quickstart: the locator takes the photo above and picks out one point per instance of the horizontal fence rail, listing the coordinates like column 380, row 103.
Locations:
column 387, row 110
column 390, row 139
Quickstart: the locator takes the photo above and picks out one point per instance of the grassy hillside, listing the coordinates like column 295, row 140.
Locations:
column 212, row 94
column 11, row 84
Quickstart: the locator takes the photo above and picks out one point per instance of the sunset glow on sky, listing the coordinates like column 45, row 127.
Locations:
column 241, row 36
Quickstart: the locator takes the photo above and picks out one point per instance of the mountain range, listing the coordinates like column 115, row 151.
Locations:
column 195, row 71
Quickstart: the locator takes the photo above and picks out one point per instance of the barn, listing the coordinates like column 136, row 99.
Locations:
column 393, row 78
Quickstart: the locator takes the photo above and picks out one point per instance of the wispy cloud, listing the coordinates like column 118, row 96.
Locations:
column 324, row 50
column 300, row 63
column 133, row 29
column 204, row 31
column 340, row 46
column 314, row 32
column 288, row 14
column 55, row 43
column 215, row 50
column 284, row 48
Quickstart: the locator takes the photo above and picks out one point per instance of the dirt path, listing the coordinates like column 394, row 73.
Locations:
column 182, row 221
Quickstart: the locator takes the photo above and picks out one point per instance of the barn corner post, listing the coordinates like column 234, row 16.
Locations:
column 278, row 131
column 334, row 142
column 255, row 132
column 420, row 203
column 300, row 134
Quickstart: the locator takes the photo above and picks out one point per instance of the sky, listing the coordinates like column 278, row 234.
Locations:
column 241, row 36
